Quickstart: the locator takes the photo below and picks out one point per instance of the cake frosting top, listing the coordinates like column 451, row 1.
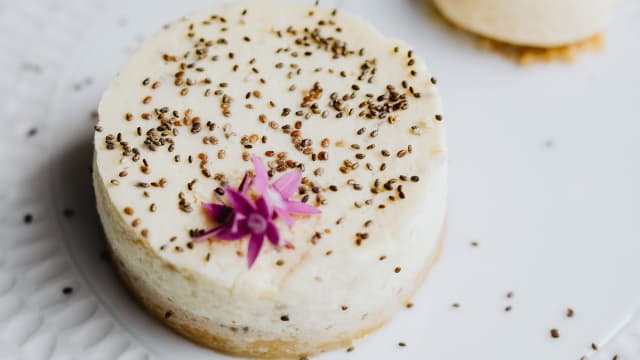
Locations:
column 296, row 88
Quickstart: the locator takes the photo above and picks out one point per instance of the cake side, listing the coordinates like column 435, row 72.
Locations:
column 205, row 331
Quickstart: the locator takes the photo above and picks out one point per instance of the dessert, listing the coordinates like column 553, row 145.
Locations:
column 272, row 177
column 527, row 30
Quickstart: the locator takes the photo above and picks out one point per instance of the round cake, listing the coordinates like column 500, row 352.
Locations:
column 272, row 177
column 538, row 23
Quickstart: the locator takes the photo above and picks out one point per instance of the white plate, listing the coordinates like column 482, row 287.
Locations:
column 544, row 176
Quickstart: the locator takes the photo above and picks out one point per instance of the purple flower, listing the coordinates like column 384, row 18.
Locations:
column 243, row 217
column 222, row 214
column 277, row 194
column 254, row 220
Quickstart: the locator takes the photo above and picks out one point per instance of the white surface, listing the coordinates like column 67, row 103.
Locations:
column 544, row 174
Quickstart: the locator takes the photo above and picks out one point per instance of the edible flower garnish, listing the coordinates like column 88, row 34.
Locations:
column 222, row 214
column 277, row 194
column 254, row 220
column 244, row 217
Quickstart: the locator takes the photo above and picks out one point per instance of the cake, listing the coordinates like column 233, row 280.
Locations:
column 272, row 177
column 533, row 30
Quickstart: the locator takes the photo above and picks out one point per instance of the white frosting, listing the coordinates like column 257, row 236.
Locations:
column 544, row 23
column 310, row 287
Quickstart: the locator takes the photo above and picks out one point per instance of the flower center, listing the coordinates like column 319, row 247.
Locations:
column 276, row 198
column 257, row 223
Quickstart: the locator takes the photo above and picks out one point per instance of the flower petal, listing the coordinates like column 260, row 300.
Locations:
column 239, row 201
column 255, row 244
column 298, row 207
column 272, row 234
column 288, row 183
column 261, row 181
column 218, row 213
column 207, row 234
column 263, row 208
column 244, row 184
column 284, row 214
column 234, row 230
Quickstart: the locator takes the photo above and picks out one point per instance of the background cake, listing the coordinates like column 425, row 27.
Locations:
column 539, row 23
column 299, row 89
